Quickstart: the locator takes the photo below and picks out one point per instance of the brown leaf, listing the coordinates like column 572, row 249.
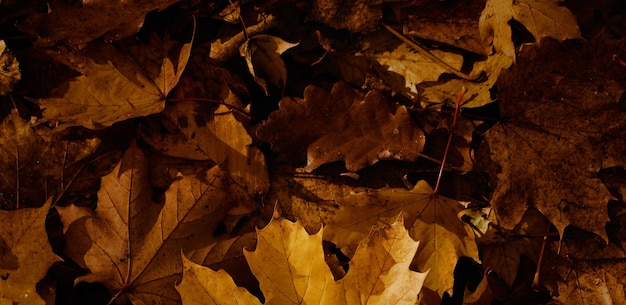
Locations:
column 342, row 125
column 31, row 162
column 82, row 101
column 433, row 219
column 290, row 267
column 541, row 19
column 25, row 254
column 197, row 131
column 10, row 73
column 262, row 54
column 130, row 243
column 353, row 15
column 80, row 22
column 553, row 137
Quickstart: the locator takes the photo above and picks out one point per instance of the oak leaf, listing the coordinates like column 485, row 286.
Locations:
column 342, row 125
column 289, row 264
column 25, row 254
column 130, row 243
column 554, row 137
column 130, row 90
column 542, row 18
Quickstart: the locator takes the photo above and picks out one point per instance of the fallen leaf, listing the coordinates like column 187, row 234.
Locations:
column 289, row 264
column 478, row 93
column 10, row 74
column 589, row 282
column 81, row 22
column 433, row 220
column 403, row 69
column 129, row 243
column 31, row 162
column 25, row 254
column 356, row 16
column 130, row 91
column 552, row 139
column 198, row 131
column 540, row 17
column 262, row 54
column 342, row 125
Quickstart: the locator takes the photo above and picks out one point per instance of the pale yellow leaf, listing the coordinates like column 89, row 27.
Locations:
column 25, row 254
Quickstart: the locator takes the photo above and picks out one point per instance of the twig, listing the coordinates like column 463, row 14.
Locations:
column 432, row 57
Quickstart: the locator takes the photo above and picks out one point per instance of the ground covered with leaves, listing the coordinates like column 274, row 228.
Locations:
column 312, row 152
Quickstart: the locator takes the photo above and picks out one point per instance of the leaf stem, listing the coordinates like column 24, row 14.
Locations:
column 445, row 154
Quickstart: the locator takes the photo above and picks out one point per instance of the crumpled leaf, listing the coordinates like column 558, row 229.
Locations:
column 25, row 254
column 542, row 18
column 82, row 21
column 262, row 54
column 10, row 74
column 131, row 244
column 433, row 219
column 342, row 125
column 289, row 264
column 554, row 136
column 197, row 131
column 130, row 90
column 31, row 163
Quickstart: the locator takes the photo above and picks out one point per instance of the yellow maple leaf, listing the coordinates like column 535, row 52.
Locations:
column 289, row 264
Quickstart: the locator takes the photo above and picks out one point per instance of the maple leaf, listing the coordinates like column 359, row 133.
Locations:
column 263, row 52
column 197, row 131
column 82, row 22
column 129, row 241
column 131, row 92
column 31, row 162
column 542, row 18
column 10, row 73
column 554, row 137
column 289, row 264
column 433, row 220
column 25, row 254
column 342, row 125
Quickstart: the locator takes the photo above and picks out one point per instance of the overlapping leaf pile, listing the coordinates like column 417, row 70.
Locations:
column 133, row 132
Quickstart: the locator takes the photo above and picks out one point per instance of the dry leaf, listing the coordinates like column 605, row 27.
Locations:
column 80, row 22
column 555, row 137
column 589, row 282
column 25, row 254
column 542, row 18
column 342, row 125
column 403, row 69
column 130, row 243
column 355, row 16
column 198, row 131
column 289, row 264
column 478, row 93
column 31, row 163
column 262, row 54
column 10, row 74
column 129, row 93
column 433, row 220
